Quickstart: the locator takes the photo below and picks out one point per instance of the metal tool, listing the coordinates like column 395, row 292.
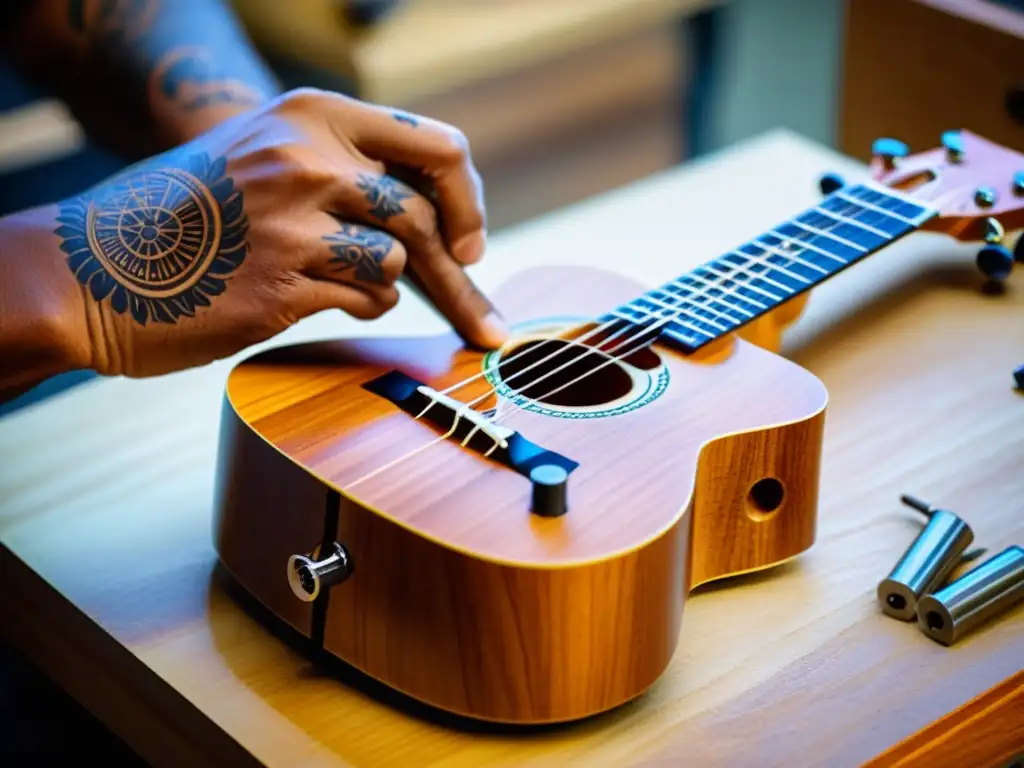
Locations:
column 978, row 595
column 923, row 568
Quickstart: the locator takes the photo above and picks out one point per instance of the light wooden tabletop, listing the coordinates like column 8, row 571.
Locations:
column 105, row 496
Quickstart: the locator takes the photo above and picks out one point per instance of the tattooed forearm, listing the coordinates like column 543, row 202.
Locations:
column 361, row 250
column 141, row 69
column 193, row 78
column 157, row 242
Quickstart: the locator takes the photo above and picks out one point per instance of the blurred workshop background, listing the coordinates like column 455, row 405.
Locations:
column 563, row 99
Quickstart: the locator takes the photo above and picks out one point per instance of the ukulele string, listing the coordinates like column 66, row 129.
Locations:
column 705, row 287
column 768, row 252
column 688, row 300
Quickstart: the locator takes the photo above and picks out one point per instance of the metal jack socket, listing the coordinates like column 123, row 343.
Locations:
column 308, row 577
column 926, row 564
column 978, row 595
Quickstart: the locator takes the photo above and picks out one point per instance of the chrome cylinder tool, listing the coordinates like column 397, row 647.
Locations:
column 926, row 564
column 977, row 596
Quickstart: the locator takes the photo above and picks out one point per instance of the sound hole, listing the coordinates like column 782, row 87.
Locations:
column 765, row 498
column 564, row 374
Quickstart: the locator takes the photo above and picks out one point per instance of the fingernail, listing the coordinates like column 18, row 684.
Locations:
column 496, row 330
column 470, row 249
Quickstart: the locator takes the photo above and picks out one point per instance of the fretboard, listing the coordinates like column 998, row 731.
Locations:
column 726, row 293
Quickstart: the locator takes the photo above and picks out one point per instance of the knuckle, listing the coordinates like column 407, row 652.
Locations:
column 299, row 98
column 456, row 145
column 422, row 222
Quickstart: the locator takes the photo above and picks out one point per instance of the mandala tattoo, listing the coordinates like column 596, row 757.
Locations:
column 361, row 249
column 405, row 117
column 385, row 194
column 157, row 241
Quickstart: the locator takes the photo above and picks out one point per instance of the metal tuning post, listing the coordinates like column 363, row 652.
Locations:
column 309, row 577
column 978, row 595
column 889, row 151
column 953, row 142
column 932, row 556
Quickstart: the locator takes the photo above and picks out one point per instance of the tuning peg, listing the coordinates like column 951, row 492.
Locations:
column 954, row 144
column 830, row 182
column 995, row 261
column 1018, row 183
column 1018, row 251
column 889, row 151
column 985, row 197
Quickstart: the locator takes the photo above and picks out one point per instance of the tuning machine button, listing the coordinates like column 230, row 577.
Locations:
column 830, row 182
column 995, row 262
column 308, row 577
column 889, row 151
column 985, row 197
column 954, row 144
column 1018, row 183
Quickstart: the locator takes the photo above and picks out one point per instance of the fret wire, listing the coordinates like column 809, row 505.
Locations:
column 647, row 316
column 894, row 194
column 675, row 319
column 725, row 291
column 852, row 222
column 732, row 291
column 816, row 231
column 785, row 256
column 647, row 296
column 877, row 209
column 785, row 288
column 771, row 296
column 711, row 298
column 706, row 309
column 751, row 276
column 795, row 257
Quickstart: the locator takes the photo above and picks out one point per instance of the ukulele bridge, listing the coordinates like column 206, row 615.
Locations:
column 472, row 428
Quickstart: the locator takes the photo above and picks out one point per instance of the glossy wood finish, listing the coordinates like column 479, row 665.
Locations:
column 461, row 597
column 110, row 580
column 986, row 731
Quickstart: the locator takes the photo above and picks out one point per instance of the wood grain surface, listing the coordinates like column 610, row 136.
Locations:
column 110, row 578
column 462, row 598
column 986, row 730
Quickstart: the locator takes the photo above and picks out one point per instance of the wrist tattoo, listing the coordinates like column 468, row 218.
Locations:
column 405, row 117
column 385, row 194
column 157, row 241
column 360, row 249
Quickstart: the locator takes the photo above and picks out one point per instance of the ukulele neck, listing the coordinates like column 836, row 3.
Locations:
column 726, row 293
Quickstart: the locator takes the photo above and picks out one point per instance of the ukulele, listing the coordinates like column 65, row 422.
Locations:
column 511, row 535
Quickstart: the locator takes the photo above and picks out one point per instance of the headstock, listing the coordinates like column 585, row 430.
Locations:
column 977, row 187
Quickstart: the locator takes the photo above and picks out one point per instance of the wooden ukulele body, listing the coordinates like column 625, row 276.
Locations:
column 699, row 467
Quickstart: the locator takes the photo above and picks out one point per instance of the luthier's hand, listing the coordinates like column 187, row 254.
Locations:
column 276, row 214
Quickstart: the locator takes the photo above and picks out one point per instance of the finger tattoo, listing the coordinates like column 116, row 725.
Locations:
column 385, row 194
column 405, row 117
column 361, row 250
